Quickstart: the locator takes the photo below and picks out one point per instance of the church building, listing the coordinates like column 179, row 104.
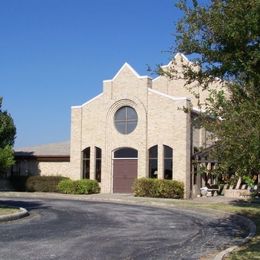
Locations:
column 135, row 128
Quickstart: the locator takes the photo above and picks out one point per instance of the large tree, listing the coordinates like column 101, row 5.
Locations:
column 7, row 137
column 222, row 38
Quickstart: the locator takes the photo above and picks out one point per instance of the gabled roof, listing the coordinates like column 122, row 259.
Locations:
column 47, row 150
column 179, row 58
column 127, row 67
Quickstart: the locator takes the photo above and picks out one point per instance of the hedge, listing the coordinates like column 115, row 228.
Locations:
column 43, row 183
column 157, row 188
column 79, row 187
column 36, row 183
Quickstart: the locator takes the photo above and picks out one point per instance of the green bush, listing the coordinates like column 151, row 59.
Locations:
column 156, row 188
column 66, row 186
column 79, row 187
column 43, row 183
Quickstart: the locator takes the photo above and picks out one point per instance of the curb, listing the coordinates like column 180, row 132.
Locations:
column 21, row 214
column 252, row 231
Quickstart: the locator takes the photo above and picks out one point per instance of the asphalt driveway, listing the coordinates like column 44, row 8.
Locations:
column 66, row 229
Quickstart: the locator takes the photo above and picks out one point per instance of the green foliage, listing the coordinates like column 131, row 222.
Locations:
column 156, row 188
column 224, row 38
column 36, row 183
column 79, row 187
column 249, row 181
column 43, row 183
column 7, row 128
column 7, row 136
column 6, row 158
column 66, row 186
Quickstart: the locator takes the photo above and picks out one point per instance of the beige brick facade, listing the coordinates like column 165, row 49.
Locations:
column 43, row 168
column 161, row 121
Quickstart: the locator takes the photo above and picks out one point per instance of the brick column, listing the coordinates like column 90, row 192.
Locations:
column 92, row 163
column 160, row 161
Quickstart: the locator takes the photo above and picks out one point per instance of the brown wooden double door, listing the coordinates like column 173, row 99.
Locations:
column 124, row 174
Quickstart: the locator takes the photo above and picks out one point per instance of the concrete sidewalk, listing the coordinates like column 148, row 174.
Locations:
column 116, row 197
column 189, row 205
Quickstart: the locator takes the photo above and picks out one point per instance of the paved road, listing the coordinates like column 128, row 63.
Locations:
column 64, row 229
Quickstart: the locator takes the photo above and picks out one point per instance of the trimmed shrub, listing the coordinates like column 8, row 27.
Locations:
column 66, row 186
column 79, row 187
column 157, row 188
column 43, row 183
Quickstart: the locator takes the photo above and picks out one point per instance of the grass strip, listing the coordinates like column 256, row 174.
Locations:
column 5, row 210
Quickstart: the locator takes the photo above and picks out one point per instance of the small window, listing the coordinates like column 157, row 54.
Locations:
column 86, row 163
column 167, row 151
column 153, row 162
column 125, row 120
column 98, row 164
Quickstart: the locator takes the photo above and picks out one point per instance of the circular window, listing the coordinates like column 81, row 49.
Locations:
column 125, row 120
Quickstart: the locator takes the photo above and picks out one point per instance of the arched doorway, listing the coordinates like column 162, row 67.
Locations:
column 124, row 169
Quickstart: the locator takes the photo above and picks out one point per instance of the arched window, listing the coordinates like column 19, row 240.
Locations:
column 125, row 120
column 153, row 162
column 86, row 163
column 125, row 153
column 167, row 154
column 98, row 164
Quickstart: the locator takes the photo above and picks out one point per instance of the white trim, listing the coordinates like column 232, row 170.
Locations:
column 167, row 96
column 182, row 55
column 176, row 55
column 87, row 102
column 171, row 62
column 132, row 70
column 126, row 65
column 156, row 78
column 197, row 110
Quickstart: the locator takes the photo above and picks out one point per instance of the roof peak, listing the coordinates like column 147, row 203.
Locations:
column 127, row 66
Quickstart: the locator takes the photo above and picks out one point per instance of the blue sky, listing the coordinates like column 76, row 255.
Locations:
column 54, row 54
